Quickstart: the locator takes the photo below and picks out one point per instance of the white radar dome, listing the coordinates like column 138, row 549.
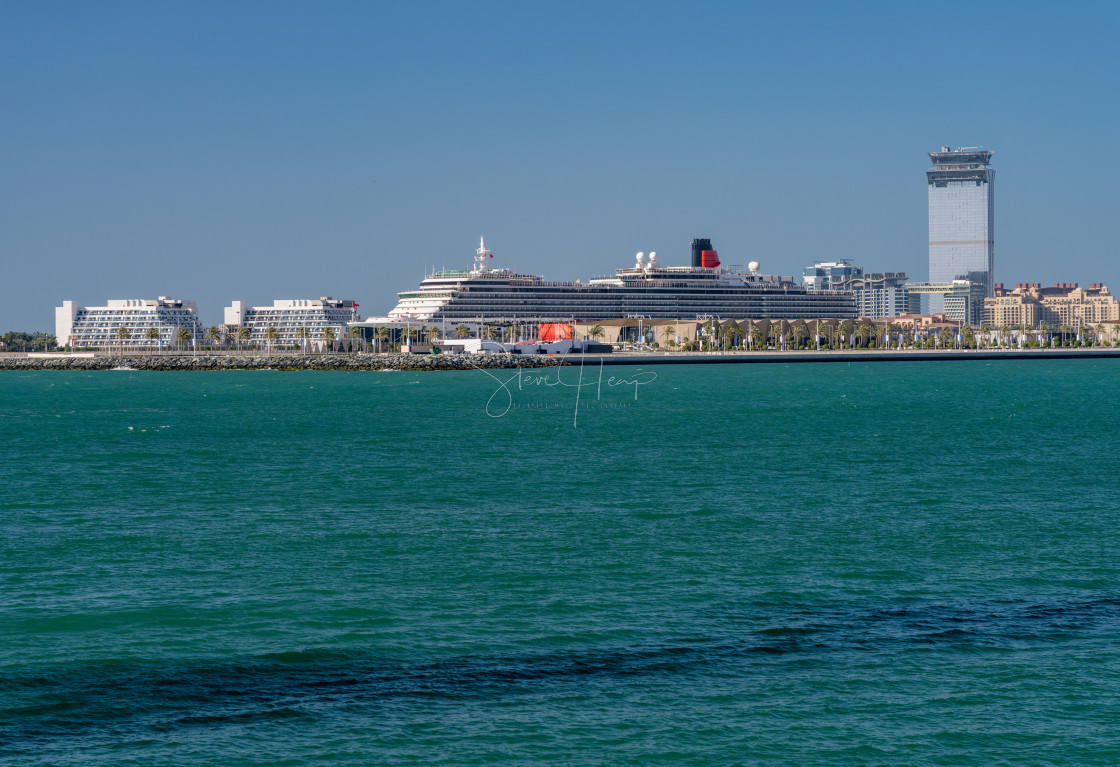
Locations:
column 640, row 257
column 652, row 257
column 753, row 266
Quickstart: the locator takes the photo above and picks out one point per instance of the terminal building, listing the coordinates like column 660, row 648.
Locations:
column 961, row 218
column 1064, row 303
column 146, row 323
column 879, row 294
column 289, row 316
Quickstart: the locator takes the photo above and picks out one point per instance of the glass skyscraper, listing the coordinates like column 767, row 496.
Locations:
column 961, row 218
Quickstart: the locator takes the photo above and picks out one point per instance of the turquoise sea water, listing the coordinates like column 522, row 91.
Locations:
column 891, row 563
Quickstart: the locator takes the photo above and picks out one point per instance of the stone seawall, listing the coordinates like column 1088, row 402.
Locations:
column 282, row 362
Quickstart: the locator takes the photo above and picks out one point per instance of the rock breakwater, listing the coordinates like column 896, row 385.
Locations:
column 281, row 362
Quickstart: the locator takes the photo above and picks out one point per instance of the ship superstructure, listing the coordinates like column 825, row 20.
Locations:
column 702, row 290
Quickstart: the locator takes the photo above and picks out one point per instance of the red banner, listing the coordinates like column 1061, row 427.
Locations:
column 554, row 331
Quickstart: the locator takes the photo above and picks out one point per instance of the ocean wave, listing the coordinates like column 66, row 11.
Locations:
column 46, row 706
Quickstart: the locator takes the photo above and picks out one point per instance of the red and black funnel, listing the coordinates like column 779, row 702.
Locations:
column 703, row 255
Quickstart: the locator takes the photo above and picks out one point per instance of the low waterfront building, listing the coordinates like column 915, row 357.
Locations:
column 1108, row 330
column 135, row 323
column 294, row 319
column 925, row 323
column 1064, row 303
column 877, row 294
column 723, row 333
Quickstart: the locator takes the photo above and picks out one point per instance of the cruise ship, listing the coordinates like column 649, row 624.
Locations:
column 703, row 290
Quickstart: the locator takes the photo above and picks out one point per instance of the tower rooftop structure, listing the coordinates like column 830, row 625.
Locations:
column 964, row 155
column 963, row 164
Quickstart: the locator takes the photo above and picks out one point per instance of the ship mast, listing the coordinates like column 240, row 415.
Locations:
column 482, row 257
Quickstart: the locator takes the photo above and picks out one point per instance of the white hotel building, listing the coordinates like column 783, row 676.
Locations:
column 288, row 316
column 97, row 326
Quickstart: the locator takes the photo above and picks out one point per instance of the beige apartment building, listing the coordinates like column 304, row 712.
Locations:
column 1064, row 303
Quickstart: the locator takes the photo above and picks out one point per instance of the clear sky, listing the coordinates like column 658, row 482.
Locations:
column 235, row 150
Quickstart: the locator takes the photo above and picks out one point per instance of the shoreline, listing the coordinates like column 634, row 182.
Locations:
column 423, row 362
column 859, row 355
column 285, row 362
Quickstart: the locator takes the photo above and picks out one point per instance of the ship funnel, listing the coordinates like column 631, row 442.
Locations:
column 698, row 247
column 703, row 255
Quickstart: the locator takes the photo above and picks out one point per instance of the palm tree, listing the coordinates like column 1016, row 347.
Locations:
column 985, row 331
column 489, row 332
column 303, row 334
column 597, row 332
column 356, row 333
column 946, row 336
column 731, row 334
column 271, row 333
column 878, row 333
column 668, row 331
column 462, row 331
column 383, row 333
column 1005, row 332
column 327, row 335
column 1064, row 330
column 409, row 334
column 797, row 331
column 863, row 333
column 968, row 338
column 123, row 334
column 182, row 337
column 710, row 330
column 893, row 327
column 1098, row 334
column 777, row 334
column 432, row 335
column 212, row 335
column 152, row 334
column 755, row 334
column 244, row 333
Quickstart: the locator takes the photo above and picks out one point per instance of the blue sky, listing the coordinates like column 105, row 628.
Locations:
column 221, row 151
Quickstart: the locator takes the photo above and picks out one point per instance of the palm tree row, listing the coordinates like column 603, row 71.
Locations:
column 714, row 335
column 214, row 335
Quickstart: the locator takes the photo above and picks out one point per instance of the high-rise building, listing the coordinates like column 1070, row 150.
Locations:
column 961, row 218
